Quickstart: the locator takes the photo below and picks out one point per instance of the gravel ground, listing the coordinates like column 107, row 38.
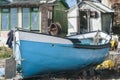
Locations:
column 2, row 63
column 2, row 66
column 103, row 75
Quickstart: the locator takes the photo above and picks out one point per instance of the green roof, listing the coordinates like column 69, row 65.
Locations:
column 64, row 3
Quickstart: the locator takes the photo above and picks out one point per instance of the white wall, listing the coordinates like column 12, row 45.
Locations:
column 72, row 21
column 3, row 35
column 3, row 38
column 95, row 23
column 20, row 17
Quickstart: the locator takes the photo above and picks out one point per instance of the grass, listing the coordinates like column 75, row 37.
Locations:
column 5, row 52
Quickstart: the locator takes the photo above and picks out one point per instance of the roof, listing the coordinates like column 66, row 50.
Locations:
column 40, row 1
column 25, row 3
column 97, row 5
column 63, row 2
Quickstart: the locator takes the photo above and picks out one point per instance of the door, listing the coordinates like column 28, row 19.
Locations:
column 84, row 21
column 106, row 22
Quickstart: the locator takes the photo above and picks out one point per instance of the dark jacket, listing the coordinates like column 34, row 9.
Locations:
column 10, row 39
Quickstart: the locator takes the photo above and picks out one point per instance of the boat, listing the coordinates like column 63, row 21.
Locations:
column 38, row 53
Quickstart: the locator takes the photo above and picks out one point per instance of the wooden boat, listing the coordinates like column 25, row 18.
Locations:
column 38, row 53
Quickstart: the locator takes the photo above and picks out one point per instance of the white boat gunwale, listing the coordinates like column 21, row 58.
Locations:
column 86, row 46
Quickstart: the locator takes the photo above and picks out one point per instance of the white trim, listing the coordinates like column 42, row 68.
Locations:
column 20, row 17
column 92, row 35
column 40, row 38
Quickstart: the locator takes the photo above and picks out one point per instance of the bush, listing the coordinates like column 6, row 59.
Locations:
column 5, row 52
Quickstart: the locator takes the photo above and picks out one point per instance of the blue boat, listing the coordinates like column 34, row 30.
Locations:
column 38, row 53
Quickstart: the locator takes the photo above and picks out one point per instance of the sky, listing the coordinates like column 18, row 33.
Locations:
column 71, row 2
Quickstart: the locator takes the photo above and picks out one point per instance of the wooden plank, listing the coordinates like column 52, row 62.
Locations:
column 10, row 68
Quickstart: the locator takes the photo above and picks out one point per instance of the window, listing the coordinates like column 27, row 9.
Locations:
column 13, row 18
column 26, row 18
column 30, row 18
column 34, row 19
column 94, row 14
column 5, row 19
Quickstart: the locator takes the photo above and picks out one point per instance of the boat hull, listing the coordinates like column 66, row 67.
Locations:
column 39, row 57
column 46, row 54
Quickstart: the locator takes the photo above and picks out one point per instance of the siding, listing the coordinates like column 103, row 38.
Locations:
column 59, row 15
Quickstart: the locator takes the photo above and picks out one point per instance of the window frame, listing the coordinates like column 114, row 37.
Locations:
column 29, row 18
column 8, row 14
column 11, row 17
column 31, row 10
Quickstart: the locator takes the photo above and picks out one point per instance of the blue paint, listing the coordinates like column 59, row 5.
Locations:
column 46, row 57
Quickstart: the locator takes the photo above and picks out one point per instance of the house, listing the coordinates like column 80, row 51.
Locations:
column 35, row 15
column 23, row 14
column 115, row 5
column 89, row 16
